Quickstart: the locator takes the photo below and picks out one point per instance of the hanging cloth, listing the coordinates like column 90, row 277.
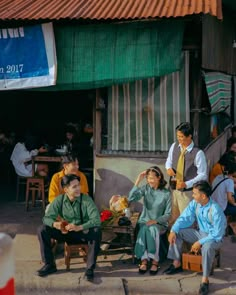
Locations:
column 180, row 166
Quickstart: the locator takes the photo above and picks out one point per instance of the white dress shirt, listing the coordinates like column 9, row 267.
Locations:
column 19, row 158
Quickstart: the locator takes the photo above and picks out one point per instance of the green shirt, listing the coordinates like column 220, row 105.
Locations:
column 70, row 211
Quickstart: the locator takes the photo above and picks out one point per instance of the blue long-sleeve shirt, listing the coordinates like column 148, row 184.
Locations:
column 210, row 219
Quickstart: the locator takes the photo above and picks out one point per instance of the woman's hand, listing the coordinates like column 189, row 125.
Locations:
column 151, row 222
column 140, row 177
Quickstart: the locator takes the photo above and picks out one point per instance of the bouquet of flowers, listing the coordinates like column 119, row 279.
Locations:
column 106, row 215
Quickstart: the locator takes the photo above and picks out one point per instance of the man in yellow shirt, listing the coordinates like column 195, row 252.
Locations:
column 70, row 166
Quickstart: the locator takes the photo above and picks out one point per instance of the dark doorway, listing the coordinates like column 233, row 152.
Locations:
column 46, row 113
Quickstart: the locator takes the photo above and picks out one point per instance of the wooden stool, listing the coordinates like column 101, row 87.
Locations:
column 34, row 184
column 75, row 251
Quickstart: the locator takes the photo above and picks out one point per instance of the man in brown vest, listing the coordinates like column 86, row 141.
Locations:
column 188, row 164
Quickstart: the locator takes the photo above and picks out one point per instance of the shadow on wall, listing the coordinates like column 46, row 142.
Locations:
column 112, row 183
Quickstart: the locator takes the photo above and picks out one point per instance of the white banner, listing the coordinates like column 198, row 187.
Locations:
column 28, row 57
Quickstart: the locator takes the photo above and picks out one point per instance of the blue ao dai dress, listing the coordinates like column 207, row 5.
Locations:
column 156, row 206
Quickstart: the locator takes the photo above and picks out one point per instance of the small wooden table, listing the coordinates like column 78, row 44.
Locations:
column 44, row 159
column 114, row 227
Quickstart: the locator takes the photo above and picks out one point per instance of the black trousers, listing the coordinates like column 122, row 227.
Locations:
column 91, row 236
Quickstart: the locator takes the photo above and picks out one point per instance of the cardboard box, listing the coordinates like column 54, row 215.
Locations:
column 191, row 261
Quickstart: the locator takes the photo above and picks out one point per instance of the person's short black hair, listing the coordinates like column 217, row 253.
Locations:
column 66, row 180
column 186, row 128
column 204, row 187
column 230, row 142
column 228, row 157
column 31, row 142
column 230, row 168
column 68, row 158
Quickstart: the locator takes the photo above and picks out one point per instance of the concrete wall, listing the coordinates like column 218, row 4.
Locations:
column 116, row 175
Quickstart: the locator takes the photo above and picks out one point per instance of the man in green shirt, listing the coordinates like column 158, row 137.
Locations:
column 73, row 218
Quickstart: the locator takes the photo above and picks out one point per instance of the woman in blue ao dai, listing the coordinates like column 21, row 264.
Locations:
column 154, row 217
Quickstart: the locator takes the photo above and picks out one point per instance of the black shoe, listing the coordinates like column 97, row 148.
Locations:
column 89, row 274
column 171, row 270
column 154, row 272
column 142, row 267
column 47, row 269
column 204, row 289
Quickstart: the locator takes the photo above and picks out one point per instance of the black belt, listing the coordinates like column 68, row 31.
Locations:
column 187, row 189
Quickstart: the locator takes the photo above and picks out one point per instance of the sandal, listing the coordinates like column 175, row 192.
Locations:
column 142, row 267
column 154, row 268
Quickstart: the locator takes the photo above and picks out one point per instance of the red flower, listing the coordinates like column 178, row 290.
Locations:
column 105, row 215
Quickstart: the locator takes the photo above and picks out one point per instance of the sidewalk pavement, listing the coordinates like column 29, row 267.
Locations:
column 115, row 273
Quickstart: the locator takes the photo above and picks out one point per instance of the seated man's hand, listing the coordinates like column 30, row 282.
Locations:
column 57, row 225
column 61, row 225
column 172, row 238
column 73, row 227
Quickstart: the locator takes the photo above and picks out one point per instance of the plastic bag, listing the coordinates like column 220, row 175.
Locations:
column 118, row 203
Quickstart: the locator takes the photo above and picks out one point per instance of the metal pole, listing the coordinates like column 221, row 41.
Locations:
column 7, row 265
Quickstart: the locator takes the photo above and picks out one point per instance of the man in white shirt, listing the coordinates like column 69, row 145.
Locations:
column 194, row 168
column 223, row 189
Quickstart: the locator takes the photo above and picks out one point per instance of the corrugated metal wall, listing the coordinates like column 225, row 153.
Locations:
column 218, row 53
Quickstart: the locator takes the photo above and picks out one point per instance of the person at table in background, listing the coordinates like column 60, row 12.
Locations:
column 71, row 138
column 70, row 166
column 154, row 217
column 209, row 237
column 23, row 153
column 218, row 168
column 190, row 165
column 224, row 187
column 79, row 222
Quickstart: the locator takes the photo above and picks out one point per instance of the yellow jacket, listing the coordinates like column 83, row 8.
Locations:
column 55, row 188
column 217, row 169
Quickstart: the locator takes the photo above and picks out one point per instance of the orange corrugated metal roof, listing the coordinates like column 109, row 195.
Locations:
column 105, row 9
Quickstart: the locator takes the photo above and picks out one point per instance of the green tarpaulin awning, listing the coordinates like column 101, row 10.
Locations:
column 93, row 56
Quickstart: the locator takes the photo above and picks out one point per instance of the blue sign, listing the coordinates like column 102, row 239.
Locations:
column 24, row 55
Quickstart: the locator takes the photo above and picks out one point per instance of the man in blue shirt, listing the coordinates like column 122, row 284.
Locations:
column 209, row 237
